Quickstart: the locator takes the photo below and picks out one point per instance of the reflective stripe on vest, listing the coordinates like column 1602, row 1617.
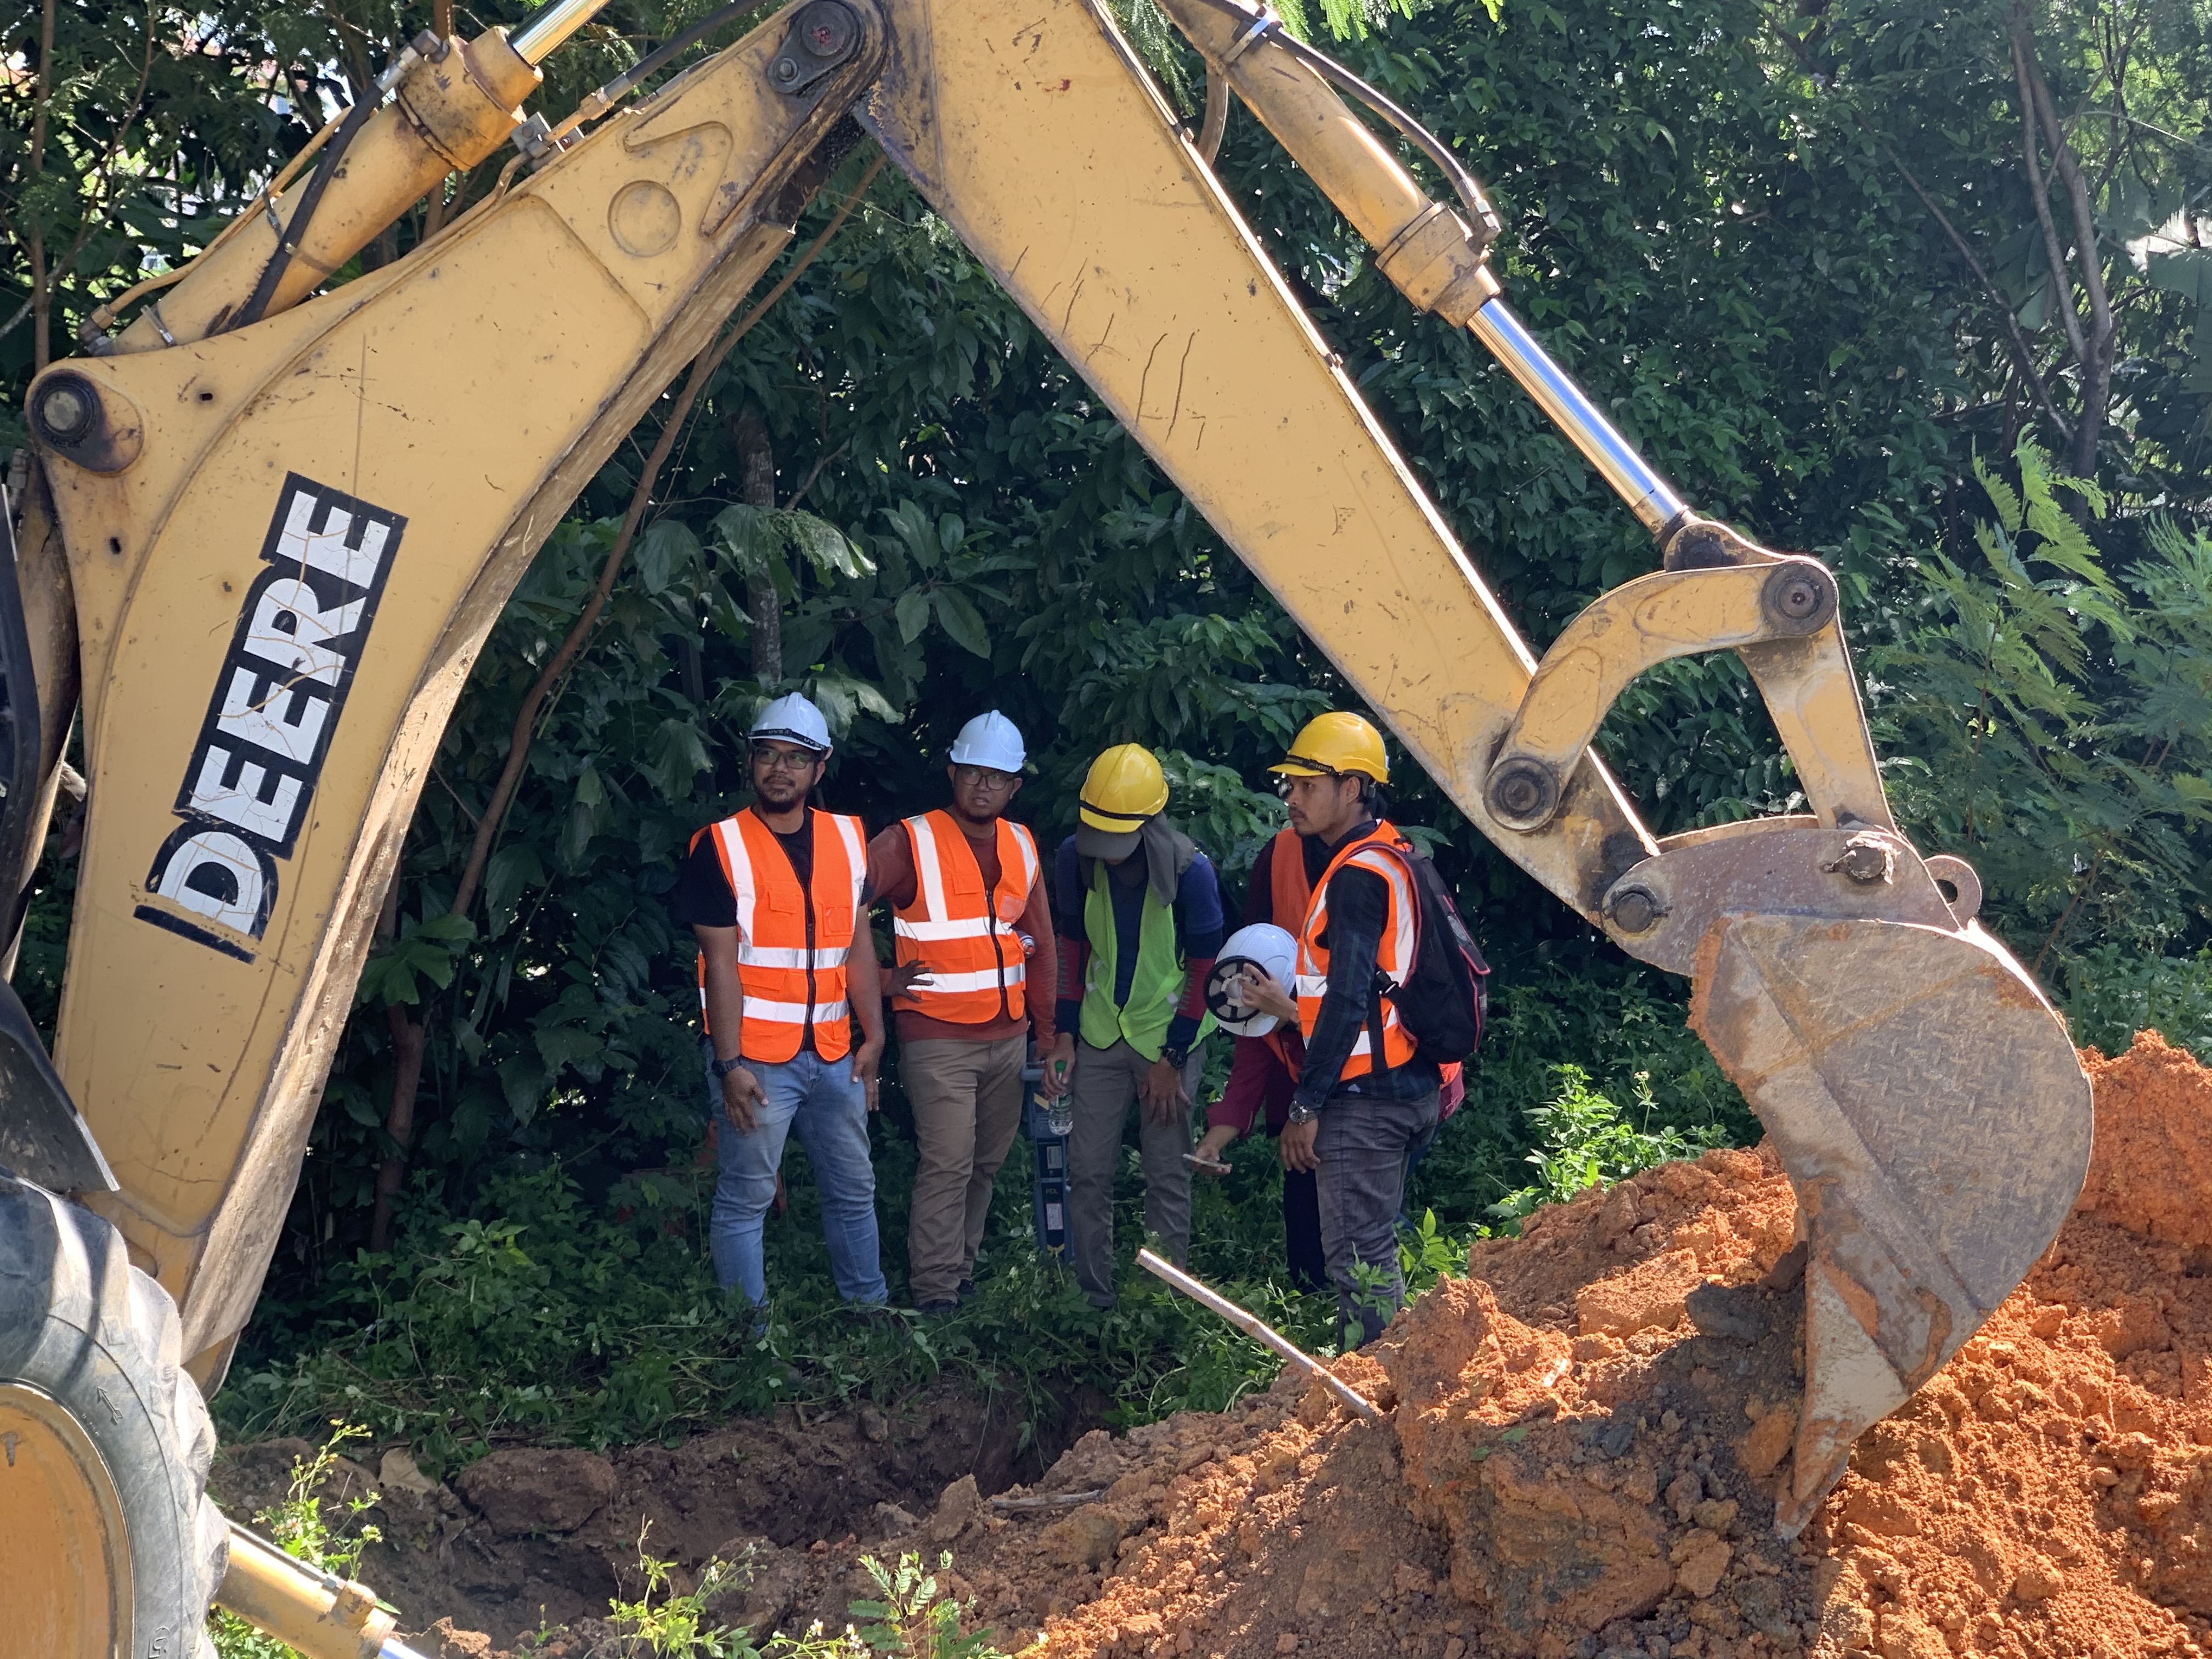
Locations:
column 791, row 981
column 965, row 937
column 1395, row 952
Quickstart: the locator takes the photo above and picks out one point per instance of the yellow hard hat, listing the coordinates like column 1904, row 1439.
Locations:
column 1332, row 743
column 1125, row 786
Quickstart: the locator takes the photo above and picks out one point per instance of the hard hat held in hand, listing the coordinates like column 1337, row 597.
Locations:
column 990, row 740
column 1264, row 946
column 1125, row 786
column 793, row 718
column 1334, row 743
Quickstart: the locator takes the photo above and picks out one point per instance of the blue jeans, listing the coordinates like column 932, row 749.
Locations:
column 820, row 1102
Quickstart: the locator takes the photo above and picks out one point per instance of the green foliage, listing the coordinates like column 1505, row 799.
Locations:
column 297, row 1526
column 2051, row 716
column 2112, row 992
column 913, row 1619
column 677, row 1627
column 1583, row 1140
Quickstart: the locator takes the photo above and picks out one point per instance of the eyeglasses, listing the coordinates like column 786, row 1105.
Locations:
column 983, row 777
column 786, row 760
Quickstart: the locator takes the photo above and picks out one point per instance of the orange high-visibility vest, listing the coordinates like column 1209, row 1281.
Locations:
column 963, row 936
column 1289, row 892
column 1394, row 953
column 791, row 971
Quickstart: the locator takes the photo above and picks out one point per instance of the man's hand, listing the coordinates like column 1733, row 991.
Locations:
column 1211, row 1147
column 1296, row 1145
column 902, row 978
column 1059, row 1065
column 1260, row 990
column 867, row 1060
column 1161, row 1090
column 742, row 1095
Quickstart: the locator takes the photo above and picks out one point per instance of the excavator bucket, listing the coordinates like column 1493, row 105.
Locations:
column 1936, row 1123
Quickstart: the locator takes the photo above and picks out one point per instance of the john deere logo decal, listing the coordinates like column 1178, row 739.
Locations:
column 276, row 703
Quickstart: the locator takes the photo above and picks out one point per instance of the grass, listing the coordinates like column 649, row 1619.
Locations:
column 538, row 1314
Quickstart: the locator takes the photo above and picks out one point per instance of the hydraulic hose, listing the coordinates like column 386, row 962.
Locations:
column 667, row 53
column 1267, row 24
column 295, row 228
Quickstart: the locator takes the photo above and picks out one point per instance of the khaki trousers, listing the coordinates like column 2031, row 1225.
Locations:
column 1105, row 1087
column 967, row 1101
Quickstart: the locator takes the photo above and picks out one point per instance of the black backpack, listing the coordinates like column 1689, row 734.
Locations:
column 1445, row 1005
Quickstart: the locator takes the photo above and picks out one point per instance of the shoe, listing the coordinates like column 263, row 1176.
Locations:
column 966, row 1293
column 936, row 1310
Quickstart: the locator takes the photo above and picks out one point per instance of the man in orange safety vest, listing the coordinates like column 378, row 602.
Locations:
column 786, row 961
column 974, row 980
column 1366, row 1100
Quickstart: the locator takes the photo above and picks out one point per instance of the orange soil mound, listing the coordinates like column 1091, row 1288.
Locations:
column 1582, row 1442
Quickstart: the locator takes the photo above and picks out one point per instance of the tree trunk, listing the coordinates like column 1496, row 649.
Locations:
column 757, row 477
column 407, row 1044
column 2092, row 340
column 34, row 234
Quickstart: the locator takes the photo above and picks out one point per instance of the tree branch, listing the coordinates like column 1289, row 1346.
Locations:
column 2097, row 355
column 2025, row 358
column 702, row 366
column 2039, row 191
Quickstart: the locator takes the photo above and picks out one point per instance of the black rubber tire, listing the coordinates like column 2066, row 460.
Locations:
column 79, row 1322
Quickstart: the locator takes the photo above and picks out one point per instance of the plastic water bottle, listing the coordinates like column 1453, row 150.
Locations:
column 1059, row 1115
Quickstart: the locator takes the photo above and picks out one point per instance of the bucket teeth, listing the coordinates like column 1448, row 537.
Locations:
column 1936, row 1123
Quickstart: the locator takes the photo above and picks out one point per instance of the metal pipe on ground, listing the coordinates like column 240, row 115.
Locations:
column 1259, row 1330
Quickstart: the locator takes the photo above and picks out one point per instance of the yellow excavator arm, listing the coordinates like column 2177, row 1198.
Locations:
column 284, row 525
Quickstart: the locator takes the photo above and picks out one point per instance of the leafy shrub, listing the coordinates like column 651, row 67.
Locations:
column 297, row 1526
column 2112, row 992
column 1583, row 1140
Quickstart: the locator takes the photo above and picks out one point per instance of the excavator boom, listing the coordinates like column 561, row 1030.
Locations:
column 288, row 522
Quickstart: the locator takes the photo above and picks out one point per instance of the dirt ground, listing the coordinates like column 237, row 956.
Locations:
column 1578, row 1455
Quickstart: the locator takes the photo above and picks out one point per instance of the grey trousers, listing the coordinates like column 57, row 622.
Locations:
column 967, row 1101
column 1363, row 1146
column 1104, row 1087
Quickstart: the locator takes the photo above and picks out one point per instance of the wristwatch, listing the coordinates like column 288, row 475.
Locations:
column 723, row 1067
column 1301, row 1113
column 1175, row 1057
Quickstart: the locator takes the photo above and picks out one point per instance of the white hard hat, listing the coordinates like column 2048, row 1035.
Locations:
column 1262, row 945
column 792, row 719
column 990, row 740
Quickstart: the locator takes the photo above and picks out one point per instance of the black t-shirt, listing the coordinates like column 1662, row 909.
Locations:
column 703, row 897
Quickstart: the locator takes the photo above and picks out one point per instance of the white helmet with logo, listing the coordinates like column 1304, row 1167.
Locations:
column 1262, row 945
column 990, row 740
column 793, row 718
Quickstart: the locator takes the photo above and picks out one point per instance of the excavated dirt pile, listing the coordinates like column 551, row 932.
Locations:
column 1583, row 1440
column 1581, row 1443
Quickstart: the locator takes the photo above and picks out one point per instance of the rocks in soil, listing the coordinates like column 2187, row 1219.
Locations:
column 397, row 1472
column 537, row 1489
column 960, row 1504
